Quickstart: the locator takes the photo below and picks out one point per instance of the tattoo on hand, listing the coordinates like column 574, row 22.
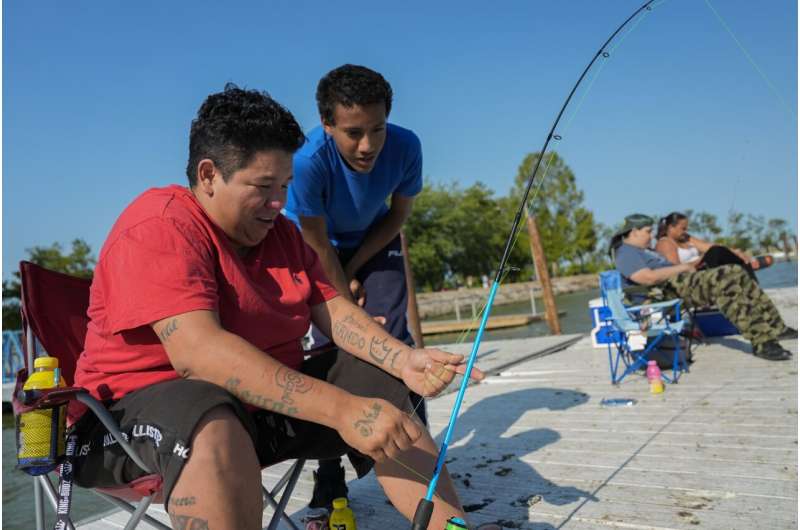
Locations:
column 232, row 386
column 344, row 332
column 364, row 426
column 183, row 501
column 291, row 381
column 168, row 330
column 394, row 357
column 186, row 522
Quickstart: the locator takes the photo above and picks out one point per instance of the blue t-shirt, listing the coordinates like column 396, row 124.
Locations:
column 630, row 259
column 350, row 202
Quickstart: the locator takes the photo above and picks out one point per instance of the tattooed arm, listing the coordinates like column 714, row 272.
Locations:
column 199, row 348
column 425, row 371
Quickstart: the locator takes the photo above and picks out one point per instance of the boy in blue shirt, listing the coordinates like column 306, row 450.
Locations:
column 344, row 175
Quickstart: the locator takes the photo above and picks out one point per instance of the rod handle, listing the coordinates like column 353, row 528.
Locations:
column 423, row 515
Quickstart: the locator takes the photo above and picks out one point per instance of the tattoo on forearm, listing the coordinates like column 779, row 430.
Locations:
column 291, row 381
column 168, row 330
column 183, row 501
column 232, row 386
column 364, row 425
column 187, row 522
column 379, row 350
column 343, row 330
column 394, row 357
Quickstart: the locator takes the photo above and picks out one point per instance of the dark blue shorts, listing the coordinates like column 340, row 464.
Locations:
column 384, row 280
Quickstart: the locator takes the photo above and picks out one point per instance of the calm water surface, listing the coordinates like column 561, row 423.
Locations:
column 18, row 492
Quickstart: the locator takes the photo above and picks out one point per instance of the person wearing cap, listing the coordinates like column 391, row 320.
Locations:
column 354, row 185
column 728, row 287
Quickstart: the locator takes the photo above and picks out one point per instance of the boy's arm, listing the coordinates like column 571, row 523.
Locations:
column 381, row 233
column 315, row 233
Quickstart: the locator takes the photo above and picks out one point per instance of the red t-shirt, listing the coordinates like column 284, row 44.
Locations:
column 164, row 257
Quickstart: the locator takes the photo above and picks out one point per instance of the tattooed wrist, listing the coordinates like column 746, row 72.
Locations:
column 364, row 425
column 232, row 385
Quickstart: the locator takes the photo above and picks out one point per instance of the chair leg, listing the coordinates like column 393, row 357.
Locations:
column 38, row 504
column 130, row 509
column 280, row 506
column 137, row 515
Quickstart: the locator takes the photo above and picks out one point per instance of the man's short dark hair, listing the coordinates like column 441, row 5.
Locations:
column 235, row 124
column 350, row 85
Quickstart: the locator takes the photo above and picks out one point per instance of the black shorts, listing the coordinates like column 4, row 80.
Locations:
column 159, row 421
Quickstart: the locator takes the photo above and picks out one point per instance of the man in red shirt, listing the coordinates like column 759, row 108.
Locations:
column 198, row 305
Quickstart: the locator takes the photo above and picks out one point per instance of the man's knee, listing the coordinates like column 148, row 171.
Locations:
column 220, row 440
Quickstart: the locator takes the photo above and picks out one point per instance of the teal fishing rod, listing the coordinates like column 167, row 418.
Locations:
column 425, row 507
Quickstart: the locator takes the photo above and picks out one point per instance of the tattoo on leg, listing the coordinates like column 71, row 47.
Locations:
column 187, row 522
column 183, row 501
column 232, row 386
column 291, row 381
column 364, row 426
column 168, row 330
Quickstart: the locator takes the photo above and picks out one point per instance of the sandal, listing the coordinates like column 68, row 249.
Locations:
column 761, row 262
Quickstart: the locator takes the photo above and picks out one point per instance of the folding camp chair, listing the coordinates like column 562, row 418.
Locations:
column 54, row 309
column 654, row 322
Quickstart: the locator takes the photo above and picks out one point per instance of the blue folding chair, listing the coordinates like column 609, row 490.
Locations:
column 655, row 321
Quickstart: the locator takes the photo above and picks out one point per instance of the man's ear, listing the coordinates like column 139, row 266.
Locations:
column 206, row 173
column 328, row 127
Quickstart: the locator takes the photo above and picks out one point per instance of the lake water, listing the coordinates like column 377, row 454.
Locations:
column 18, row 492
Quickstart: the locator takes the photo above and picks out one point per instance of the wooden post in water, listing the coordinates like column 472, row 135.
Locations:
column 786, row 247
column 542, row 273
column 412, row 310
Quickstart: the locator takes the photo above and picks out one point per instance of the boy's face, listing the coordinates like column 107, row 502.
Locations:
column 359, row 133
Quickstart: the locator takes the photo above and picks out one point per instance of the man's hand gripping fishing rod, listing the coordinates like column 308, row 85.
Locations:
column 425, row 507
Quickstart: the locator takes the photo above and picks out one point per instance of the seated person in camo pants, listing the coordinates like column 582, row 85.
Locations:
column 199, row 302
column 728, row 287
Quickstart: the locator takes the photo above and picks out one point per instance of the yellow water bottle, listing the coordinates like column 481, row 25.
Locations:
column 40, row 433
column 342, row 517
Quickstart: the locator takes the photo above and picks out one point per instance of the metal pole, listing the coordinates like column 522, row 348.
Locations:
column 533, row 301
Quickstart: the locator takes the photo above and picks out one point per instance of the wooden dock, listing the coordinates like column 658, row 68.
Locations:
column 534, row 449
column 433, row 327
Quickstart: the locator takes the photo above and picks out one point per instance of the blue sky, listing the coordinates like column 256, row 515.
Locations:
column 98, row 97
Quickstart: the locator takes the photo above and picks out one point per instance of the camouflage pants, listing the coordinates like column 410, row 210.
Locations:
column 735, row 294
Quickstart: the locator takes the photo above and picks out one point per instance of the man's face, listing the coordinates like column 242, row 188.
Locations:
column 245, row 206
column 359, row 133
column 640, row 237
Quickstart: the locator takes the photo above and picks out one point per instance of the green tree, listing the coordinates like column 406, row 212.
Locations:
column 704, row 225
column 79, row 262
column 568, row 230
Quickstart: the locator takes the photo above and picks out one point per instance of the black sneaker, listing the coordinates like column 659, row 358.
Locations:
column 328, row 486
column 772, row 351
column 788, row 334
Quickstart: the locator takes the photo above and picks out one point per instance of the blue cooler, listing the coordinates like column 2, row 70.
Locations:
column 714, row 324
column 602, row 333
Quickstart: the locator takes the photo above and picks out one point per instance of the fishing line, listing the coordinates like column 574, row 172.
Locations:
column 749, row 57
column 425, row 507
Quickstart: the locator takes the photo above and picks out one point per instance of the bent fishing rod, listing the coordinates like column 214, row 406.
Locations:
column 425, row 507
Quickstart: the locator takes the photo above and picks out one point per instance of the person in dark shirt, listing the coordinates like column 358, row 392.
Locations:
column 728, row 287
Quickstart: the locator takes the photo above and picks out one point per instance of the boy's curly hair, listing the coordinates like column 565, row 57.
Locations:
column 350, row 85
column 233, row 125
